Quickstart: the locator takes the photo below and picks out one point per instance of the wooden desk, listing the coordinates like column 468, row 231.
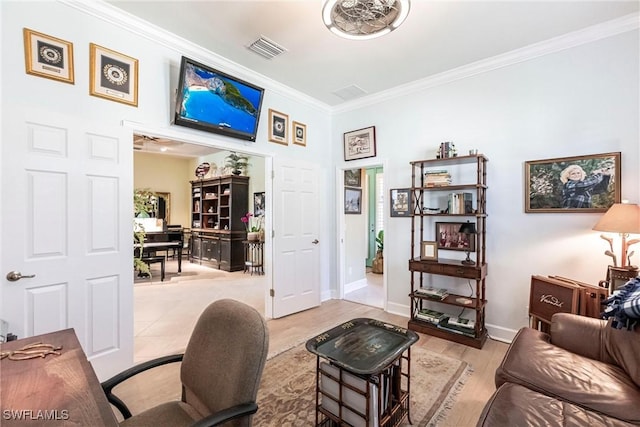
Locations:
column 52, row 391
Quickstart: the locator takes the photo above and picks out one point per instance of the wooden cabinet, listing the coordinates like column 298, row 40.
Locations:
column 217, row 204
column 439, row 208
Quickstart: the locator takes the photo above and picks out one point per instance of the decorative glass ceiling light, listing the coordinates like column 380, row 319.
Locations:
column 364, row 19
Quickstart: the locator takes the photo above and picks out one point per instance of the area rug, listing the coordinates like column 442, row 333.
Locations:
column 287, row 393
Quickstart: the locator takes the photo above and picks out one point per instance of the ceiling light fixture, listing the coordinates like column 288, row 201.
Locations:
column 364, row 19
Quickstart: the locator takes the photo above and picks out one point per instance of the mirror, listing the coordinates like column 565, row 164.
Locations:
column 162, row 206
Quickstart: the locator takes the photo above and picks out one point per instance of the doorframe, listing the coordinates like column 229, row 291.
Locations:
column 210, row 141
column 341, row 228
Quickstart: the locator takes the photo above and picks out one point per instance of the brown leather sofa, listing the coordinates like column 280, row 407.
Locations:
column 583, row 373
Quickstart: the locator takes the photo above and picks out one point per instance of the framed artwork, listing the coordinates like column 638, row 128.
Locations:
column 258, row 204
column 278, row 125
column 573, row 184
column 449, row 237
column 401, row 202
column 360, row 144
column 352, row 200
column 429, row 251
column 353, row 177
column 113, row 76
column 299, row 134
column 47, row 56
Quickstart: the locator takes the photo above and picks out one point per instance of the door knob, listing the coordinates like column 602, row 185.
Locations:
column 14, row 276
column 315, row 241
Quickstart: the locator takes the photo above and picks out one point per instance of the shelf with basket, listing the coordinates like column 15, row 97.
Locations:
column 449, row 214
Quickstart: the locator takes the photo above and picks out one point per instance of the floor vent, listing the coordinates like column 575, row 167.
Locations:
column 266, row 48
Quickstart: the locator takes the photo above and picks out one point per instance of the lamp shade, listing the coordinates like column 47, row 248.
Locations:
column 468, row 228
column 620, row 218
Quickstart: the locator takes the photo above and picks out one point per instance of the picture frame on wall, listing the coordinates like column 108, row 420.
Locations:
column 352, row 200
column 48, row 57
column 589, row 183
column 299, row 133
column 113, row 75
column 401, row 202
column 429, row 251
column 258, row 203
column 360, row 144
column 353, row 177
column 449, row 237
column 278, row 127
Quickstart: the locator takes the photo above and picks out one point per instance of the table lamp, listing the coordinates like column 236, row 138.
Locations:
column 622, row 218
column 469, row 229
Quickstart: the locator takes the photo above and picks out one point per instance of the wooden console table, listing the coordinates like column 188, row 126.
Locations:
column 55, row 390
column 364, row 378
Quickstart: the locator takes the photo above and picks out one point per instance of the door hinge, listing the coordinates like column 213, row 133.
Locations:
column 273, row 174
column 273, row 233
column 272, row 293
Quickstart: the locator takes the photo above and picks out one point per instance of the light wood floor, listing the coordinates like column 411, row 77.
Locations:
column 284, row 333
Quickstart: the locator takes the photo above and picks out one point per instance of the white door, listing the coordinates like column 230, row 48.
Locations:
column 296, row 246
column 66, row 221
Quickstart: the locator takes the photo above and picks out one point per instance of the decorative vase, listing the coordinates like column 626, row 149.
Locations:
column 253, row 236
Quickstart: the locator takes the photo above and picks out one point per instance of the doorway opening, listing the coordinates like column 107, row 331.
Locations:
column 165, row 311
column 363, row 248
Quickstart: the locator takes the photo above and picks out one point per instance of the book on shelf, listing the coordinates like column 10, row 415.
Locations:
column 460, row 331
column 462, row 322
column 460, row 203
column 431, row 316
column 437, row 178
column 436, row 293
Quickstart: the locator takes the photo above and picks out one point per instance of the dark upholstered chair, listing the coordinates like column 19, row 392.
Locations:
column 220, row 373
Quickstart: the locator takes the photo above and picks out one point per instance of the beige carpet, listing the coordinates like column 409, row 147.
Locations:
column 287, row 394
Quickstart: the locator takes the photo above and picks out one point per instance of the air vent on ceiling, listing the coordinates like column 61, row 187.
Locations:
column 266, row 48
column 350, row 92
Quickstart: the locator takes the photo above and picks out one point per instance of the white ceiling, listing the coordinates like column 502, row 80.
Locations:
column 437, row 36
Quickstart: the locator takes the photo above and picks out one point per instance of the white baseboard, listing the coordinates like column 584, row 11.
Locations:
column 354, row 286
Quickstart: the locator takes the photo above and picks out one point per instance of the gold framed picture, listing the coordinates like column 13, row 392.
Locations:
column 113, row 76
column 299, row 134
column 429, row 251
column 588, row 183
column 278, row 127
column 48, row 57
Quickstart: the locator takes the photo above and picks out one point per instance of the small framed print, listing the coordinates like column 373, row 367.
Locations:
column 113, row 76
column 48, row 57
column 429, row 251
column 299, row 134
column 352, row 200
column 278, row 125
column 401, row 202
column 353, row 177
column 360, row 144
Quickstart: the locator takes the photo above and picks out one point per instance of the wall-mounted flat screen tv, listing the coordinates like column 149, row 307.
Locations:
column 213, row 101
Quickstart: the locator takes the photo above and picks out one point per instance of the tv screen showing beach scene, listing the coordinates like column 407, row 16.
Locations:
column 213, row 101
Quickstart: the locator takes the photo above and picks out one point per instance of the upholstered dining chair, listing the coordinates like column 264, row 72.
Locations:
column 220, row 372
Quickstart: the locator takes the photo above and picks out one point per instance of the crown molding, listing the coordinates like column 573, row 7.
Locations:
column 120, row 18
column 566, row 41
column 181, row 46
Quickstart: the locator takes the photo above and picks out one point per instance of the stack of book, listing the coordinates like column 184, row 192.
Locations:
column 460, row 203
column 437, row 178
column 459, row 325
column 435, row 293
column 447, row 149
column 431, row 316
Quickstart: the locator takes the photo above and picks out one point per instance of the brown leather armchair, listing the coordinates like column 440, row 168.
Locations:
column 220, row 372
column 583, row 373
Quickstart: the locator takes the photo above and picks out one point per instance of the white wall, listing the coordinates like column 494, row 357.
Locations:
column 578, row 101
column 159, row 60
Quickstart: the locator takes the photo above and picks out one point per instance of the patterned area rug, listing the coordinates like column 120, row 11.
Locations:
column 287, row 394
